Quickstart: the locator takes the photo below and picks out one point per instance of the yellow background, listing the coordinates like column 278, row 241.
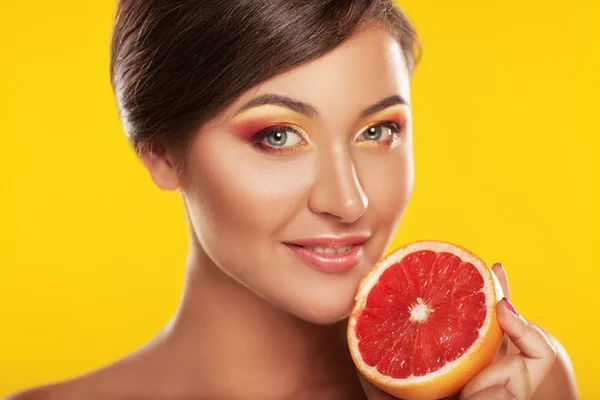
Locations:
column 506, row 142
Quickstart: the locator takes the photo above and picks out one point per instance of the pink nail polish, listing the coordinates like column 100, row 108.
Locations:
column 511, row 307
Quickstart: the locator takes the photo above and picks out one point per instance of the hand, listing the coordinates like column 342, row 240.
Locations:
column 510, row 376
column 513, row 376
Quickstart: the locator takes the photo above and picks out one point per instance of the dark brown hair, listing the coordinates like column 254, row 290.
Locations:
column 176, row 63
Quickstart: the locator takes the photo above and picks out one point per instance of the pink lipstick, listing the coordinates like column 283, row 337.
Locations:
column 329, row 254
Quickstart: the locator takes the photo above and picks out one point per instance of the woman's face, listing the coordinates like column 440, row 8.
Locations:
column 320, row 161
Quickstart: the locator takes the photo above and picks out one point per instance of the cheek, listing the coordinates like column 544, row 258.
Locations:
column 248, row 195
column 388, row 182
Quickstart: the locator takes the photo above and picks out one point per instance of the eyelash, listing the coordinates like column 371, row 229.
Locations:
column 395, row 127
column 263, row 134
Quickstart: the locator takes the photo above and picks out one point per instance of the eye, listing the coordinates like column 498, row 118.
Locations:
column 380, row 132
column 281, row 138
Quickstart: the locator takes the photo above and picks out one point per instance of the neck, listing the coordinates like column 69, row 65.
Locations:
column 241, row 346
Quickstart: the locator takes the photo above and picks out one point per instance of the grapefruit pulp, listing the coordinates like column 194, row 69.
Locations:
column 424, row 322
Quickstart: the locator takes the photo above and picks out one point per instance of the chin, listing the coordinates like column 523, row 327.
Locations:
column 326, row 302
column 328, row 312
column 325, row 318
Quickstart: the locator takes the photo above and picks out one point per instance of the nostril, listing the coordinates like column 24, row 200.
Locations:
column 337, row 191
column 344, row 208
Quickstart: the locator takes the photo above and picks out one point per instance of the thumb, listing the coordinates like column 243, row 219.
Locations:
column 498, row 270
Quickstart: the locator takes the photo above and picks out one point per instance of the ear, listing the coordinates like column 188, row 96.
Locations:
column 162, row 167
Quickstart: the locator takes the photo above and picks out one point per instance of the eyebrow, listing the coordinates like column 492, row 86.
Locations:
column 383, row 104
column 310, row 111
column 283, row 101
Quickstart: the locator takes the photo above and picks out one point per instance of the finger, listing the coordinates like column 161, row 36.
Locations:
column 509, row 372
column 372, row 391
column 500, row 273
column 498, row 270
column 494, row 393
column 536, row 349
column 503, row 348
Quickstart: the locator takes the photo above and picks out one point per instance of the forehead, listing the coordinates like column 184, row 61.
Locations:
column 365, row 69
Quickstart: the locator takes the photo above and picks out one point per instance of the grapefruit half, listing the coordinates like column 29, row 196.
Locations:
column 424, row 322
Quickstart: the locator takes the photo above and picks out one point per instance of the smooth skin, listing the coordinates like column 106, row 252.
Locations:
column 254, row 321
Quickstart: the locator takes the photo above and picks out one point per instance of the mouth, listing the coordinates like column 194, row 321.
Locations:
column 328, row 250
column 330, row 254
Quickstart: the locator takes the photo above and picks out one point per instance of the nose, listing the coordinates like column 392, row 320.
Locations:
column 337, row 191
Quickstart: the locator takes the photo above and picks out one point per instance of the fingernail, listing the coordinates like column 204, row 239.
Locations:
column 511, row 307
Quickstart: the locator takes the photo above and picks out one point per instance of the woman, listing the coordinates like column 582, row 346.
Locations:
column 280, row 122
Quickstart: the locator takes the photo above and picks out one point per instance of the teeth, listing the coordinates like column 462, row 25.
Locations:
column 329, row 250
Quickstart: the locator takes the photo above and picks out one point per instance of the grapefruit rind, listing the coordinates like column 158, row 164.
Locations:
column 452, row 376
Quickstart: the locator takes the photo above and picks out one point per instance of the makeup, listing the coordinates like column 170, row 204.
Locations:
column 261, row 125
column 271, row 129
column 384, row 129
column 329, row 254
column 247, row 128
column 248, row 123
column 281, row 139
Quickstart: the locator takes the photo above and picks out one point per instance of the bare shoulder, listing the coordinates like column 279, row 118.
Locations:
column 560, row 383
column 90, row 386
column 47, row 392
column 110, row 382
column 94, row 385
column 133, row 376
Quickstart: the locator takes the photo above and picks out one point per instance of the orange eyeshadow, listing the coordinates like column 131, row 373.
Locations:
column 246, row 129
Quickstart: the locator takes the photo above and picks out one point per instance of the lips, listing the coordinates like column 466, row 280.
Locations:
column 329, row 250
column 329, row 254
column 331, row 242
